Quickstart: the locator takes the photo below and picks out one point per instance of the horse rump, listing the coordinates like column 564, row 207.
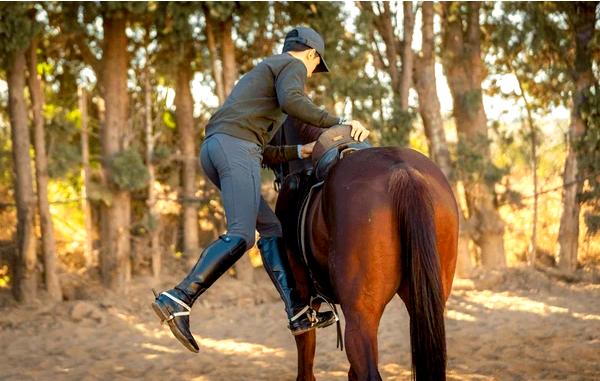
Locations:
column 421, row 272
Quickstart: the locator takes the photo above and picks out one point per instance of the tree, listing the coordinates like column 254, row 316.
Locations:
column 16, row 30
column 219, row 27
column 115, row 215
column 178, row 43
column 429, row 109
column 397, row 61
column 123, row 170
column 549, row 47
column 41, row 172
column 465, row 71
column 429, row 103
column 582, row 20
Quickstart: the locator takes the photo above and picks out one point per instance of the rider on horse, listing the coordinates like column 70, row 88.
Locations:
column 231, row 155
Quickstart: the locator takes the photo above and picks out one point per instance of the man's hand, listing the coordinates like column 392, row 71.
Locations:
column 306, row 149
column 359, row 132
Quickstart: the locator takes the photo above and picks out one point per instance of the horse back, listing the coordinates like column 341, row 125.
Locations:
column 355, row 209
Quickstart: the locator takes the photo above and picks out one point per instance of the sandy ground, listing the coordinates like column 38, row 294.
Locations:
column 522, row 327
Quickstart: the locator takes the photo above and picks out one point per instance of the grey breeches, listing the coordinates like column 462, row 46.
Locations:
column 233, row 165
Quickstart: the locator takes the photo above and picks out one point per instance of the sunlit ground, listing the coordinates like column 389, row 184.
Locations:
column 548, row 332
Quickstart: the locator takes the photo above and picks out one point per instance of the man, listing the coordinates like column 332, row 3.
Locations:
column 231, row 155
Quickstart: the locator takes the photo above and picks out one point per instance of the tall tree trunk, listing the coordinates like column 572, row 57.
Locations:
column 115, row 216
column 217, row 69
column 24, row 285
column 465, row 71
column 429, row 108
column 187, row 143
column 230, row 71
column 41, row 172
column 583, row 22
column 151, row 201
column 407, row 54
column 429, row 104
column 88, row 249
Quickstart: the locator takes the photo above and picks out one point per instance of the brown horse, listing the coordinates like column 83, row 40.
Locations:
column 384, row 223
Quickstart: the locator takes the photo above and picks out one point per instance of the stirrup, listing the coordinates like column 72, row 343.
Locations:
column 181, row 303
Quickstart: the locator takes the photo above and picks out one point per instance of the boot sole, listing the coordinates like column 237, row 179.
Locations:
column 176, row 332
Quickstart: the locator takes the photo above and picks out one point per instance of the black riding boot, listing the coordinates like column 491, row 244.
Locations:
column 302, row 318
column 174, row 305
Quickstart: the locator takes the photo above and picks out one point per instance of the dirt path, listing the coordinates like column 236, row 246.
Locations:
column 551, row 332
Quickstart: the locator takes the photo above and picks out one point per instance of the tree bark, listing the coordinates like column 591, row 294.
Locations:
column 429, row 109
column 407, row 54
column 217, row 69
column 583, row 21
column 88, row 249
column 24, row 284
column 151, row 201
column 429, row 104
column 465, row 71
column 41, row 172
column 230, row 71
column 187, row 143
column 115, row 216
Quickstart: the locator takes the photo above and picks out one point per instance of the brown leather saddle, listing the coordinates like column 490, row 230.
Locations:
column 333, row 145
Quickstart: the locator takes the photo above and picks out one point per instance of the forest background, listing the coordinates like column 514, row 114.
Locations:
column 103, row 108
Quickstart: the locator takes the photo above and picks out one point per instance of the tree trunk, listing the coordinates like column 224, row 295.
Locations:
column 465, row 71
column 24, row 285
column 217, row 69
column 41, row 172
column 407, row 54
column 187, row 143
column 151, row 201
column 429, row 104
column 568, row 237
column 115, row 216
column 230, row 72
column 88, row 249
column 429, row 109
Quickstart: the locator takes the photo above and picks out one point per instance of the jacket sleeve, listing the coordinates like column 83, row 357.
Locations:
column 273, row 155
column 289, row 86
column 308, row 132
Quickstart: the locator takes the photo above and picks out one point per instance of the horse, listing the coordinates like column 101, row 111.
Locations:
column 384, row 223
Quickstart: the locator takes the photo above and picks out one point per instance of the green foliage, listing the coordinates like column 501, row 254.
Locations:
column 145, row 225
column 175, row 35
column 471, row 166
column 98, row 192
column 534, row 41
column 128, row 171
column 17, row 27
column 397, row 129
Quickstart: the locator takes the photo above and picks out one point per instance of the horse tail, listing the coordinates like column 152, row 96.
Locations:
column 421, row 270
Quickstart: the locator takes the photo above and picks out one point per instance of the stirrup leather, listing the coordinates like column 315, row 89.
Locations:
column 182, row 304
